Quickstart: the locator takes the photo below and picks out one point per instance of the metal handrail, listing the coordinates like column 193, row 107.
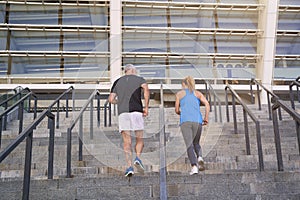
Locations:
column 28, row 135
column 296, row 116
column 15, row 95
column 246, row 111
column 209, row 89
column 20, row 105
column 6, row 101
column 15, row 90
column 107, row 104
column 57, row 100
column 297, row 84
column 80, row 119
column 258, row 84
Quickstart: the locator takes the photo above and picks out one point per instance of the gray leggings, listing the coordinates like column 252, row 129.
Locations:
column 191, row 132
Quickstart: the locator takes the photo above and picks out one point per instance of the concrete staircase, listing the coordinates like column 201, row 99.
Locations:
column 230, row 173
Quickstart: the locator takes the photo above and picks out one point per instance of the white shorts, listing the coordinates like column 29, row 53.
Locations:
column 132, row 121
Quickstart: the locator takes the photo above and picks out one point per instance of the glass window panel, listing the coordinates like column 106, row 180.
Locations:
column 85, row 16
column 3, row 65
column 83, row 41
column 42, row 14
column 289, row 21
column 190, row 18
column 288, row 45
column 235, row 44
column 211, row 1
column 34, row 41
column 181, row 43
column 33, row 14
column 144, row 17
column 199, row 68
column 2, row 13
column 287, row 64
column 90, row 67
column 144, row 42
column 236, row 20
column 289, row 2
column 3, row 36
column 35, row 66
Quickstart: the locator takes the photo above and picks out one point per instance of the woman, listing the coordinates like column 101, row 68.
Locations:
column 187, row 105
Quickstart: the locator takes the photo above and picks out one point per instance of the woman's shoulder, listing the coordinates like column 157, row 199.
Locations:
column 180, row 93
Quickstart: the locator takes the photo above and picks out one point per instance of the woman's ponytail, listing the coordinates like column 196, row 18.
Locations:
column 190, row 83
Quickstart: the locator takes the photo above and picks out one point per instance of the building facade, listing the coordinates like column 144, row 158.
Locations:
column 88, row 41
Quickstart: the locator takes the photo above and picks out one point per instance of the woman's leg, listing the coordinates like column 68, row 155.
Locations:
column 197, row 131
column 187, row 133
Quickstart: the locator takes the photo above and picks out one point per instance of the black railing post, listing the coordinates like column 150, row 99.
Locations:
column 0, row 131
column 105, row 114
column 51, row 123
column 277, row 140
column 258, row 97
column 251, row 91
column 57, row 114
column 298, row 134
column 246, row 133
column 259, row 146
column 227, row 106
column 292, row 96
column 234, row 115
column 35, row 107
column 67, row 105
column 80, row 138
column 20, row 113
column 5, row 118
column 27, row 168
column 69, row 152
column 269, row 106
column 91, row 120
column 98, row 110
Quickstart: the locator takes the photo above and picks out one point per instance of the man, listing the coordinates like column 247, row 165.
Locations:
column 126, row 92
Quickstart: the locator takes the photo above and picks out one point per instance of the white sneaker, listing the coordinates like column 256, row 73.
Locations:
column 201, row 163
column 194, row 170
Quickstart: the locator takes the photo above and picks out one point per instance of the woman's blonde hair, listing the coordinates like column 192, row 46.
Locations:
column 190, row 83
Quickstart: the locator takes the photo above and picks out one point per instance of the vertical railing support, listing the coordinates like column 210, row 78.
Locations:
column 246, row 132
column 69, row 152
column 162, row 150
column 51, row 123
column 277, row 141
column 20, row 114
column 57, row 115
column 234, row 115
column 91, row 120
column 27, row 168
column 80, row 138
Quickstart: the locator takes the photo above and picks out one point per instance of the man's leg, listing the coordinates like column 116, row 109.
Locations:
column 139, row 145
column 127, row 147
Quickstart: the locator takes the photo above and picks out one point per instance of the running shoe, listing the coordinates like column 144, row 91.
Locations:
column 194, row 170
column 201, row 163
column 129, row 172
column 139, row 165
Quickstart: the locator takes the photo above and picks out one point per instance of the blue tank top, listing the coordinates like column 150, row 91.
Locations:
column 190, row 108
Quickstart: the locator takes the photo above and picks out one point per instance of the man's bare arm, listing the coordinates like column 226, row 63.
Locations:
column 112, row 98
column 146, row 97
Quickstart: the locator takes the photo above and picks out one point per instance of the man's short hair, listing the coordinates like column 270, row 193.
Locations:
column 129, row 67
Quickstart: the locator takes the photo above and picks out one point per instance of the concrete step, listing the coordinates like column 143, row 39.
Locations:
column 208, row 185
